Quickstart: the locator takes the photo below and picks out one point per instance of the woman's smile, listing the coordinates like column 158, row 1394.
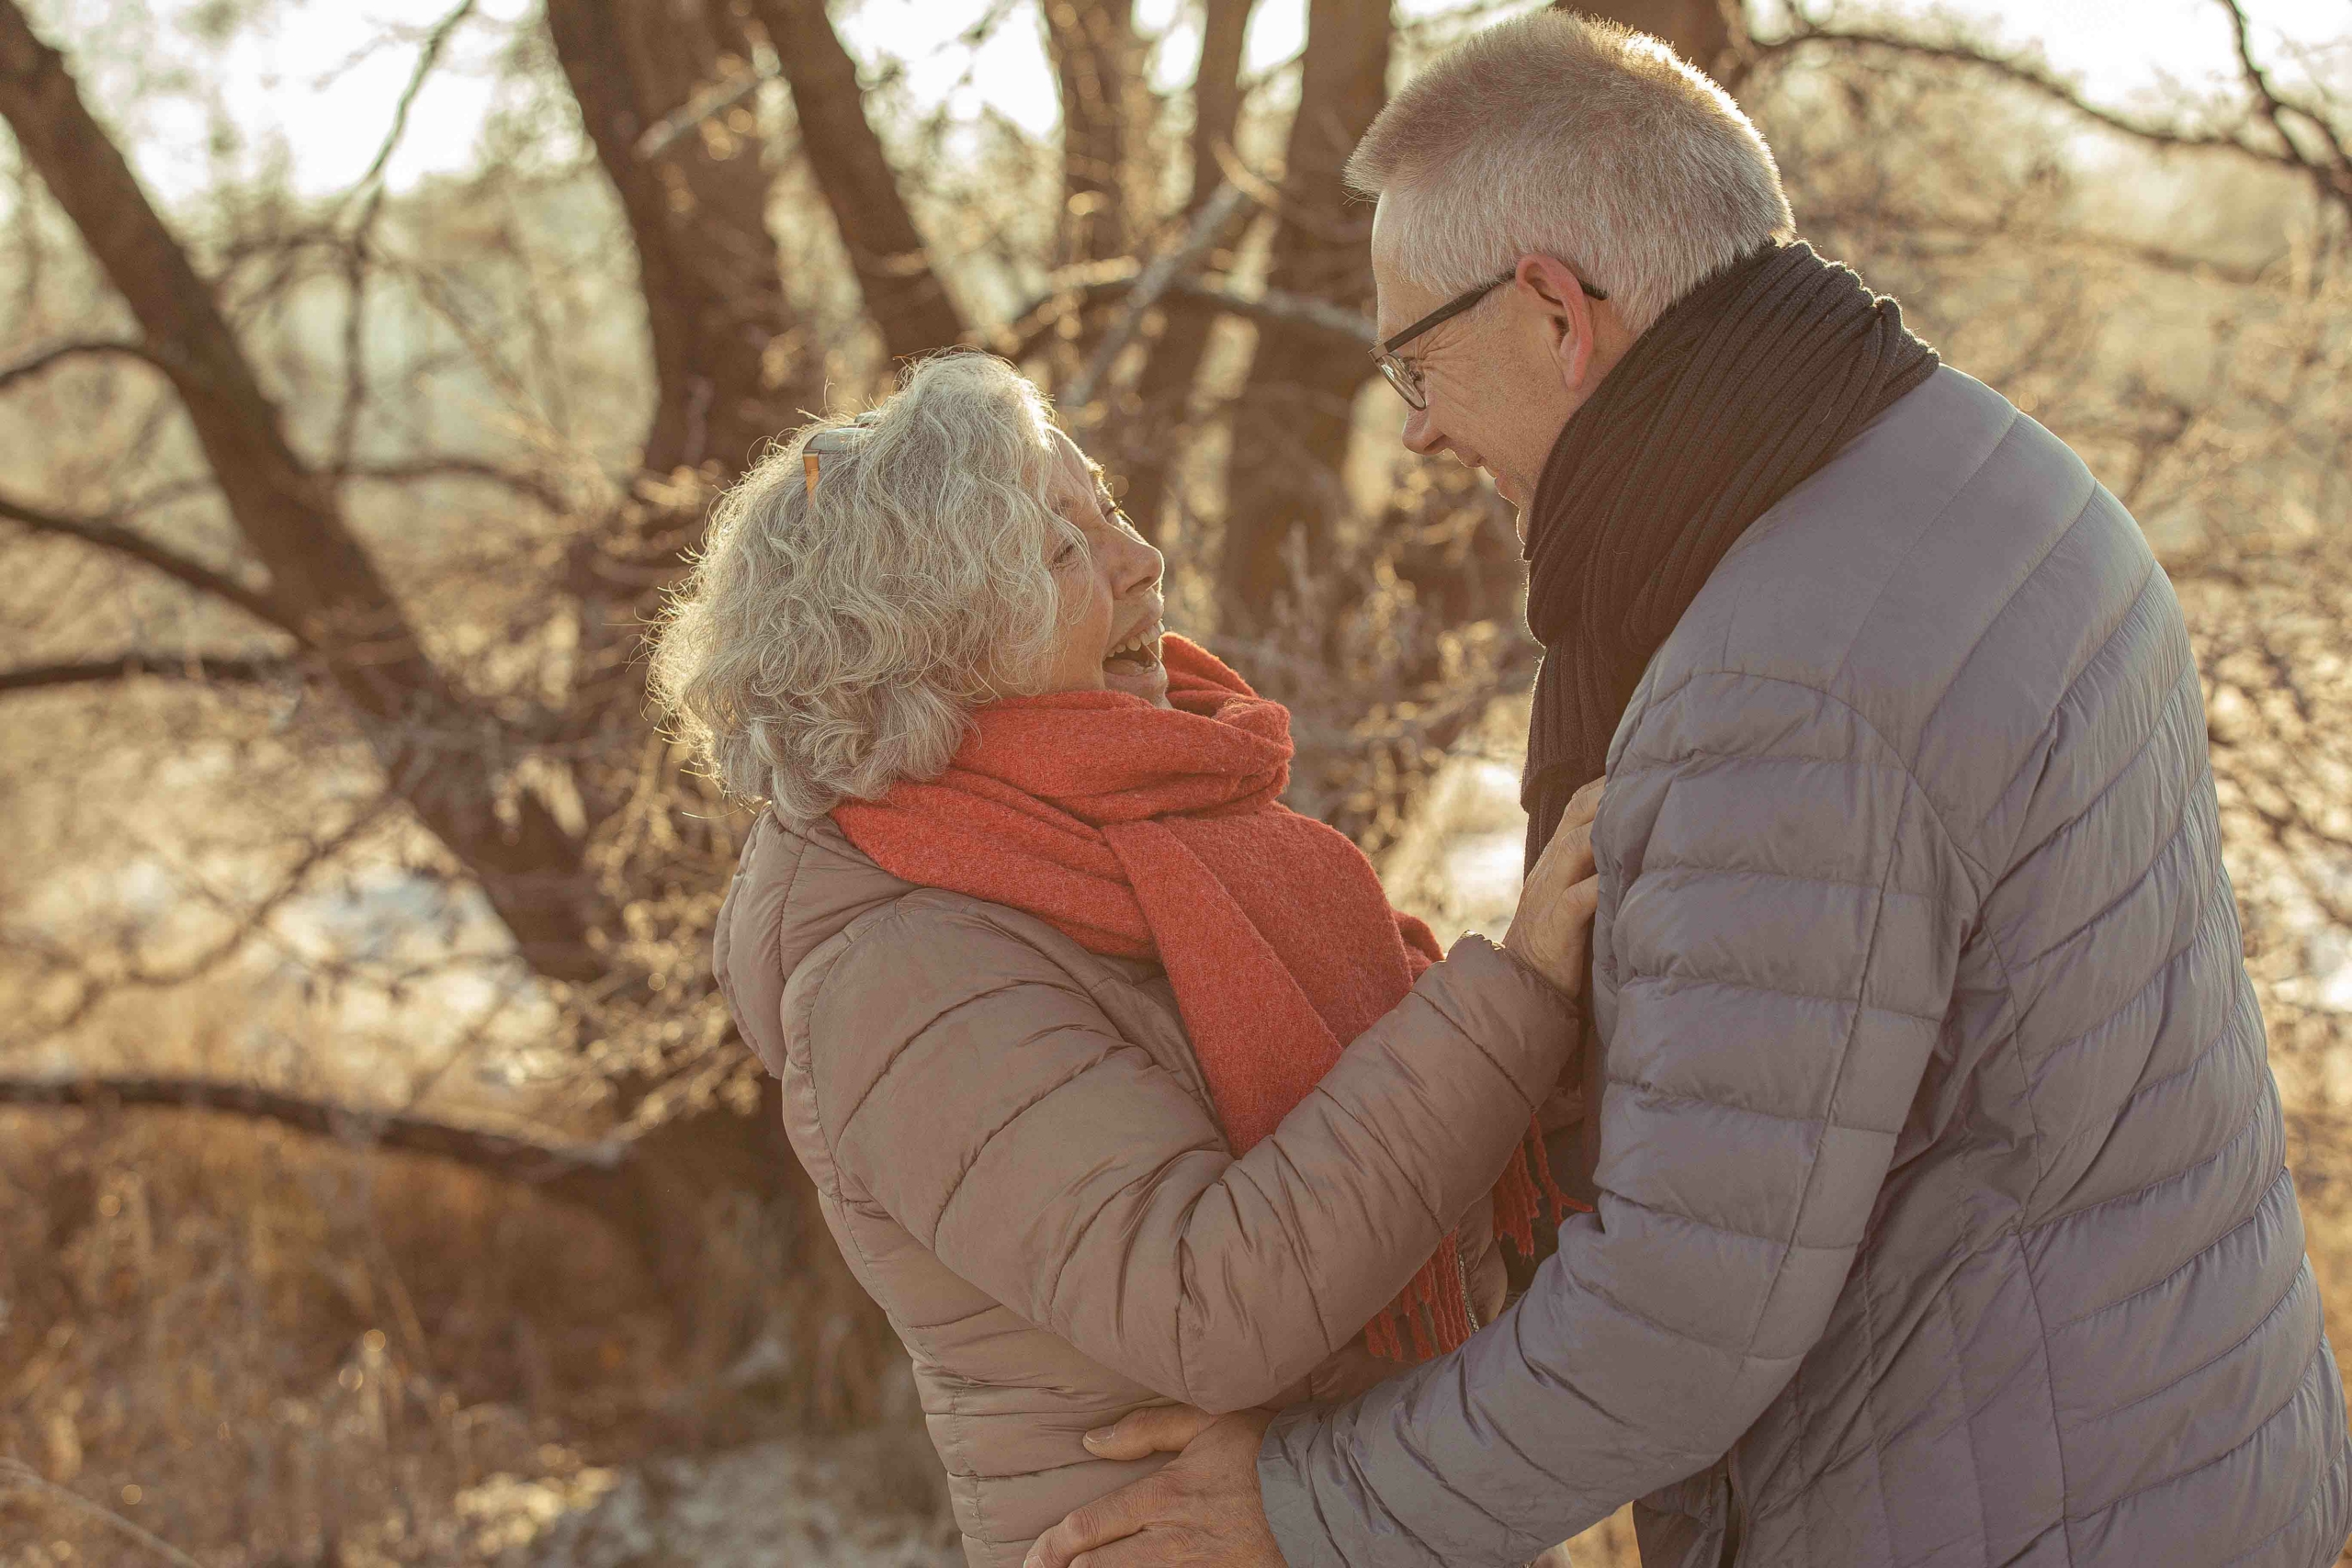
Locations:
column 1133, row 664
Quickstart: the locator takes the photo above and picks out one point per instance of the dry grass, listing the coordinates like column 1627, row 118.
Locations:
column 269, row 1350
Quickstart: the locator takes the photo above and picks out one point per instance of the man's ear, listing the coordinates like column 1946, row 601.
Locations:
column 1566, row 309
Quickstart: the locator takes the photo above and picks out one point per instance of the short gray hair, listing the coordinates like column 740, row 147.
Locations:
column 1561, row 136
column 835, row 639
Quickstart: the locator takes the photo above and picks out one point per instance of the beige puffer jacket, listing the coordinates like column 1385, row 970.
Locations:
column 1016, row 1154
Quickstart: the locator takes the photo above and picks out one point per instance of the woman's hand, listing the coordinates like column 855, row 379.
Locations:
column 1551, row 932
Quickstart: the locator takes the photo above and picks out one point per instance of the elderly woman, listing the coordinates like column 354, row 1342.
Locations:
column 1119, row 1082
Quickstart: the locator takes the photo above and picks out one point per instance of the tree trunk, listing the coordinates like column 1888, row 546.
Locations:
column 1095, row 56
column 1151, row 424
column 903, row 294
column 1699, row 30
column 698, row 212
column 424, row 732
column 1290, row 428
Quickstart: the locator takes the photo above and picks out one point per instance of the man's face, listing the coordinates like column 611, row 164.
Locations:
column 1501, row 378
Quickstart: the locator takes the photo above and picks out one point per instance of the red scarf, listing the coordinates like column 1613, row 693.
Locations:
column 1147, row 832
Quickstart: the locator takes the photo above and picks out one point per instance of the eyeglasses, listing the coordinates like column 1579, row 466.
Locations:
column 1405, row 376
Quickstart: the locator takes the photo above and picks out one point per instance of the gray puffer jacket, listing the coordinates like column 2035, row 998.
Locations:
column 1944, row 1215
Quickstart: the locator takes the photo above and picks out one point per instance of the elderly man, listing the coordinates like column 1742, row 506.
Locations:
column 1942, row 1215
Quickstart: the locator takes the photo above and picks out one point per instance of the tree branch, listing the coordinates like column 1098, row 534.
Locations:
column 1043, row 315
column 428, row 58
column 408, row 470
column 2333, row 177
column 502, row 1155
column 2029, row 74
column 113, row 536
column 1207, row 227
column 34, row 364
column 222, row 667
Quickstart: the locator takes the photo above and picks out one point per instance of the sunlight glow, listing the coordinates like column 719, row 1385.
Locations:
column 302, row 84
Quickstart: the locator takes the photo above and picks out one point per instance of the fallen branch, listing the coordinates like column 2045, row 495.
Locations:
column 199, row 667
column 514, row 1158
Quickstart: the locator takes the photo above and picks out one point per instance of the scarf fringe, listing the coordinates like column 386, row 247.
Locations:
column 1434, row 1306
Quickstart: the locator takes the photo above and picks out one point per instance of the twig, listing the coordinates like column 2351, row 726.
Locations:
column 34, row 364
column 1029, row 329
column 1207, row 227
column 435, row 42
column 109, row 536
column 16, row 1472
column 2026, row 74
column 408, row 470
column 711, row 101
column 2334, row 181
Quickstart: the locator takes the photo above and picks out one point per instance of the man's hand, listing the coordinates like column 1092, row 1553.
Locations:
column 1202, row 1511
column 1551, row 933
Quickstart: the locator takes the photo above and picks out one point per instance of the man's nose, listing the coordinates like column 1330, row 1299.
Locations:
column 1419, row 433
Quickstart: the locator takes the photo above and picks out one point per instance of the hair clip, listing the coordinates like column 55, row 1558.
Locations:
column 835, row 441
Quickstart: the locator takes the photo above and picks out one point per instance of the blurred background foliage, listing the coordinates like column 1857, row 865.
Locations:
column 381, row 1179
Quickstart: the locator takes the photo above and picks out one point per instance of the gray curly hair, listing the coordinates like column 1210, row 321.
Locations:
column 835, row 635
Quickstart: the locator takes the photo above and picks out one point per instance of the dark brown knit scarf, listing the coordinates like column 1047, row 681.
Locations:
column 1745, row 386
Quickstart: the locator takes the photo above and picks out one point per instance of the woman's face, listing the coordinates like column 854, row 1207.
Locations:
column 1110, row 629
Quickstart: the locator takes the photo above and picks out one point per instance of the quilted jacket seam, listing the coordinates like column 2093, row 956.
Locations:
column 1676, row 1099
column 2180, row 828
column 2008, row 430
column 895, row 913
column 2253, row 1123
column 955, row 1188
column 2301, row 1514
column 2171, row 960
column 1428, row 1209
column 1461, row 1030
column 1976, row 1492
column 899, row 1052
column 2242, row 1341
column 1669, row 1330
column 1757, row 874
column 2014, row 1010
column 1838, row 1075
column 2187, row 676
column 1696, row 980
column 2048, row 1387
column 2030, row 572
column 1902, row 763
column 2223, row 1458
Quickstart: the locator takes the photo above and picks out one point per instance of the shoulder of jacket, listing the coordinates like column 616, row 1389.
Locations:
column 933, row 950
column 1913, row 588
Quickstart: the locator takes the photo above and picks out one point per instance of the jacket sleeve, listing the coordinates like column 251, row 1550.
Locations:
column 1060, row 1168
column 1782, row 915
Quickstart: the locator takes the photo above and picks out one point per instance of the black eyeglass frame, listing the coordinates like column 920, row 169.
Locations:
column 1406, row 377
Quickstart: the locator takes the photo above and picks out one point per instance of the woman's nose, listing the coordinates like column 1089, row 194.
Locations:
column 1136, row 566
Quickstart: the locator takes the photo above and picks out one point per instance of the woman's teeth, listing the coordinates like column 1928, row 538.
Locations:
column 1139, row 653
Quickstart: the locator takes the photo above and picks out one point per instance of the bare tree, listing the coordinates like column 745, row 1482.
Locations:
column 1291, row 422
column 903, row 295
column 1163, row 390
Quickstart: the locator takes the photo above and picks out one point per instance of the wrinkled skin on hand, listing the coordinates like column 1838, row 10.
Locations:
column 1202, row 1511
column 1551, row 933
